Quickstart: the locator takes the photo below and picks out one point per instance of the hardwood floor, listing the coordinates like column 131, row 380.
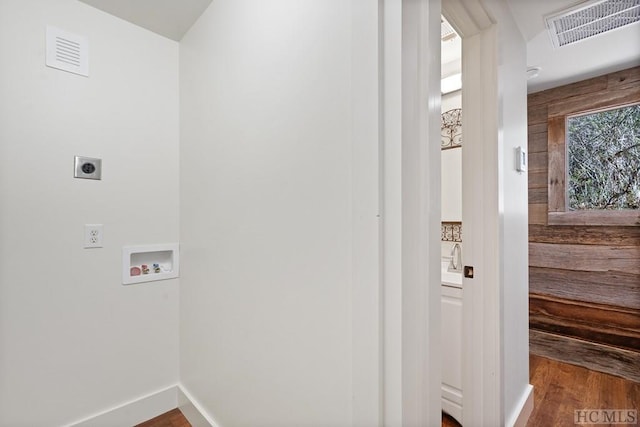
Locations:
column 449, row 421
column 559, row 390
column 173, row 418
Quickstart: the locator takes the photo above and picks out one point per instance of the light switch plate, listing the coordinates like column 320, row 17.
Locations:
column 87, row 168
column 521, row 159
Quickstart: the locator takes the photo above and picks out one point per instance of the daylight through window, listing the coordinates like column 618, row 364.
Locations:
column 603, row 158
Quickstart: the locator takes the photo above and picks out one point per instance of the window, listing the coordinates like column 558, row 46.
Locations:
column 594, row 155
column 603, row 159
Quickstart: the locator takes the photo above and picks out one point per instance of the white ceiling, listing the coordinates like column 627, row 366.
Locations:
column 169, row 18
column 613, row 51
column 450, row 56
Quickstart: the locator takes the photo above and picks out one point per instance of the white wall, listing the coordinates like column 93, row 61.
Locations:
column 451, row 184
column 451, row 168
column 452, row 100
column 278, row 132
column 419, row 223
column 513, row 211
column 74, row 340
column 495, row 375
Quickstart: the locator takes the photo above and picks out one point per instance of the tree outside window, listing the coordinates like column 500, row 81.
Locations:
column 603, row 159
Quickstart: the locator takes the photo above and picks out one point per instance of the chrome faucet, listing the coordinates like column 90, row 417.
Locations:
column 456, row 258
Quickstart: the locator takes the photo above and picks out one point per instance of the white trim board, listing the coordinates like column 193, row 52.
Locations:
column 150, row 406
column 135, row 411
column 523, row 410
column 193, row 410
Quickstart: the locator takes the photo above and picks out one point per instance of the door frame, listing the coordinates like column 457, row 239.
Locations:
column 410, row 187
column 481, row 355
column 411, row 212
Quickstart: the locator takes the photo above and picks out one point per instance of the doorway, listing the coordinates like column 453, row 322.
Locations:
column 412, row 250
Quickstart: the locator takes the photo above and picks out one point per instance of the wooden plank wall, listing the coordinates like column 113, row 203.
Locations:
column 584, row 280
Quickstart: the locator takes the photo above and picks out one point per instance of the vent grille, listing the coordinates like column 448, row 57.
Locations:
column 67, row 52
column 589, row 20
column 446, row 31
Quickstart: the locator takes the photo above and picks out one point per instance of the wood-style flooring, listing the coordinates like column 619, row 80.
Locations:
column 449, row 421
column 559, row 390
column 173, row 418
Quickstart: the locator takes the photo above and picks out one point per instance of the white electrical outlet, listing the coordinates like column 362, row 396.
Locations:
column 93, row 235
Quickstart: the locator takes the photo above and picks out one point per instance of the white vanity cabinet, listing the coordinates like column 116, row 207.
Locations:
column 452, row 349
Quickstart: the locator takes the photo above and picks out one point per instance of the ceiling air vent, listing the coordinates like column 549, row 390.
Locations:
column 590, row 19
column 68, row 52
column 447, row 32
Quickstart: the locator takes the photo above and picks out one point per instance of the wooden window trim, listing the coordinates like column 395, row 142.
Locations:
column 558, row 112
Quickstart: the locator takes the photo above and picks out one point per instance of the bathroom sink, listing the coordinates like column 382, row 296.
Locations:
column 450, row 277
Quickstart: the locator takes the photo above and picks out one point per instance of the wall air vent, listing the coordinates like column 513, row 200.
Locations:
column 590, row 19
column 68, row 52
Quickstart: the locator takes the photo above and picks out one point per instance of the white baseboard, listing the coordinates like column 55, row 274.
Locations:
column 452, row 409
column 193, row 410
column 150, row 406
column 452, row 401
column 523, row 409
column 135, row 411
